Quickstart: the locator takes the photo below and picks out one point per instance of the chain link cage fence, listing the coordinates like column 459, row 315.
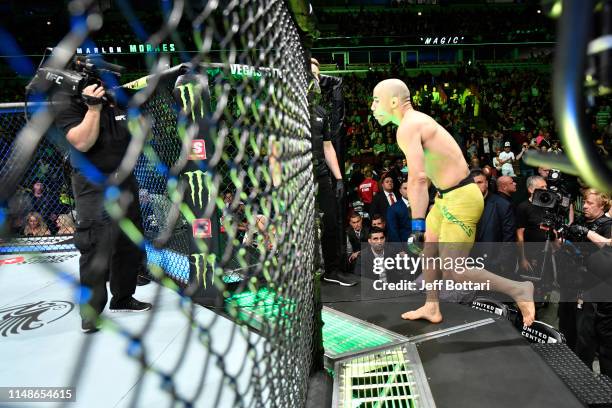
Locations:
column 224, row 146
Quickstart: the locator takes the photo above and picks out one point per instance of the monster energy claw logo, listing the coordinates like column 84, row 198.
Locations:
column 198, row 175
column 202, row 259
column 189, row 91
column 468, row 230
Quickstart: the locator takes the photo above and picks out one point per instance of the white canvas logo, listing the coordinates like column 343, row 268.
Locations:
column 120, row 117
column 21, row 318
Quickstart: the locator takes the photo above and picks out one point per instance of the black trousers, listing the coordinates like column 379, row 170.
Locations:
column 567, row 319
column 330, row 242
column 106, row 252
column 594, row 329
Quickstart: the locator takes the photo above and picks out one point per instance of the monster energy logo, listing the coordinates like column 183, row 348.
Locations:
column 468, row 230
column 202, row 259
column 189, row 91
column 198, row 175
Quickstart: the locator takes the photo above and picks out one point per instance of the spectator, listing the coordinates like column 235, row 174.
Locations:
column 385, row 198
column 498, row 140
column 392, row 147
column 35, row 226
column 366, row 149
column 486, row 146
column 65, row 224
column 354, row 150
column 524, row 168
column 555, row 148
column 367, row 189
column 44, row 203
column 18, row 207
column 379, row 148
column 496, row 226
column 475, row 163
column 506, row 159
column 399, row 217
column 506, row 186
column 397, row 175
column 496, row 161
column 543, row 172
column 378, row 221
column 376, row 249
column 356, row 235
column 472, row 146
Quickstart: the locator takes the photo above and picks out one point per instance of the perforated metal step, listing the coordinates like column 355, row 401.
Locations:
column 595, row 390
column 392, row 377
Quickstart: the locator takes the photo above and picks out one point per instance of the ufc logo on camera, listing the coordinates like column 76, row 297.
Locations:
column 198, row 150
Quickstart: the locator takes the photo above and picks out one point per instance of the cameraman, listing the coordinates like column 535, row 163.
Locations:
column 98, row 134
column 594, row 321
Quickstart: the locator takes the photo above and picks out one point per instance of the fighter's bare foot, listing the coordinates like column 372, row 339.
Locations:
column 429, row 311
column 524, row 301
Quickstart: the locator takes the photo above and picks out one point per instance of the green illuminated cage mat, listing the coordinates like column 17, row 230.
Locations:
column 343, row 335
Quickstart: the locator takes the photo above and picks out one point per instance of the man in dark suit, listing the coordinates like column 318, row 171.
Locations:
column 376, row 248
column 356, row 234
column 399, row 217
column 506, row 187
column 497, row 225
column 385, row 199
column 378, row 221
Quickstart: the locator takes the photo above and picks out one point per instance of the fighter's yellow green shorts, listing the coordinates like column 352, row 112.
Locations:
column 454, row 216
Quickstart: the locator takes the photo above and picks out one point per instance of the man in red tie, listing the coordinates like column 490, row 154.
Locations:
column 385, row 199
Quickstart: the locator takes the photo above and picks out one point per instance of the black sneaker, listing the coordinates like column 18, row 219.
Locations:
column 130, row 305
column 88, row 327
column 339, row 279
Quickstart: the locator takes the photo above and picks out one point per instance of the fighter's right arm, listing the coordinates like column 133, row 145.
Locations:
column 84, row 135
column 409, row 140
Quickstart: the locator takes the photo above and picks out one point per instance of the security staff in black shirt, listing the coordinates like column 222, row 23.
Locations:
column 97, row 131
column 529, row 218
column 325, row 161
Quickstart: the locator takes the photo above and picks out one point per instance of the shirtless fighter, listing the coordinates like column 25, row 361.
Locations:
column 431, row 152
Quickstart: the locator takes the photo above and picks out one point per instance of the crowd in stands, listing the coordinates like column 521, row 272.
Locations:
column 495, row 116
column 500, row 24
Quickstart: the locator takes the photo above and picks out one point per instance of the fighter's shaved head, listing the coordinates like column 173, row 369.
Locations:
column 394, row 88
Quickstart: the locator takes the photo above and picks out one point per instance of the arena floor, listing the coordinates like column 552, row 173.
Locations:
column 106, row 376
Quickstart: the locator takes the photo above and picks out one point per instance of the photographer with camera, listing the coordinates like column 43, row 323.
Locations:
column 97, row 131
column 594, row 317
